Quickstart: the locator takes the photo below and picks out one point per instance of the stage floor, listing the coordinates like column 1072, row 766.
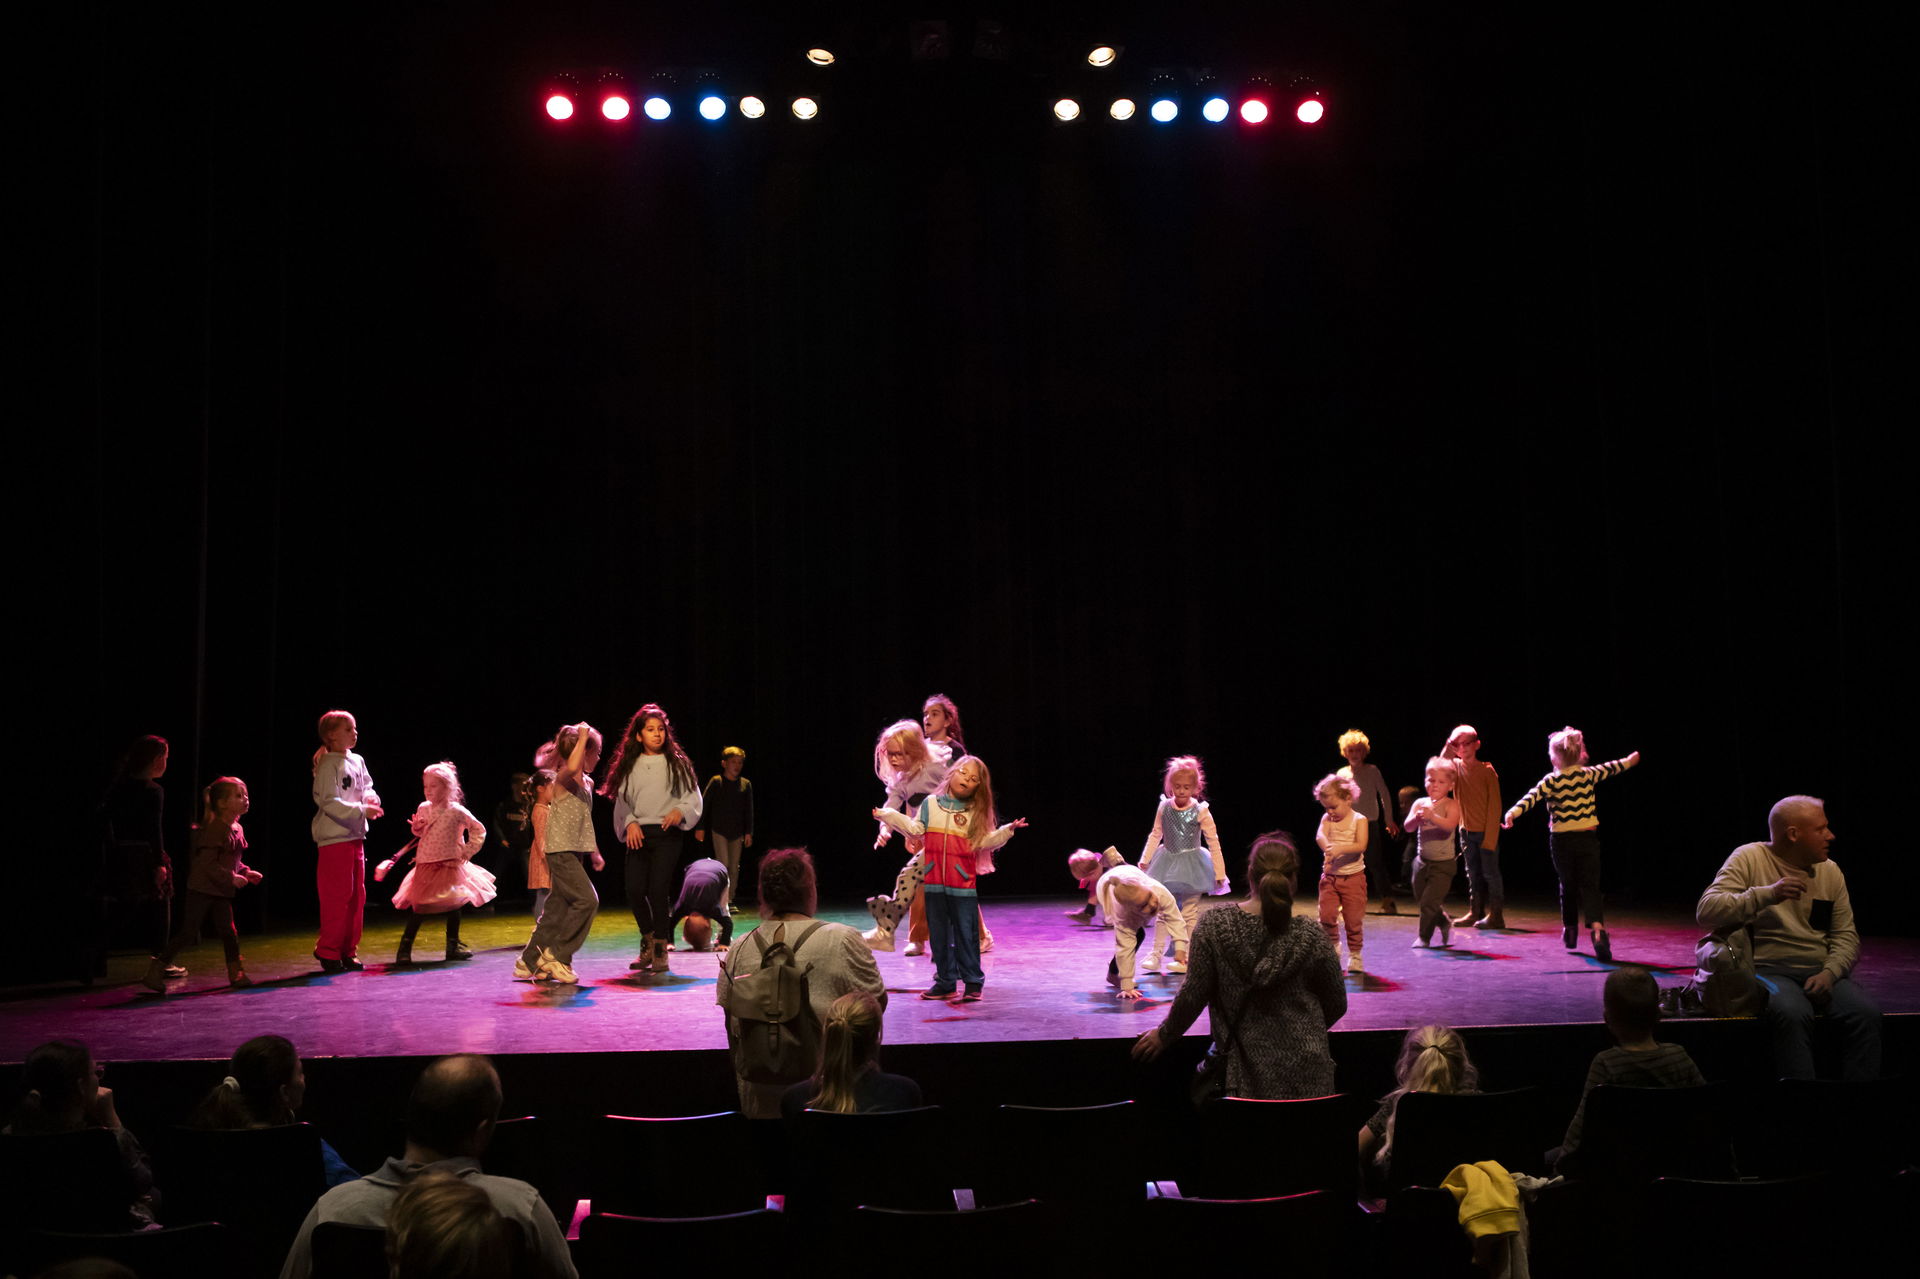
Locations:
column 1045, row 980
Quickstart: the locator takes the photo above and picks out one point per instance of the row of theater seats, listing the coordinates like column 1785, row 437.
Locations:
column 1033, row 1182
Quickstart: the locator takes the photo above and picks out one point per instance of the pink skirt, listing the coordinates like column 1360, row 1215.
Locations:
column 434, row 888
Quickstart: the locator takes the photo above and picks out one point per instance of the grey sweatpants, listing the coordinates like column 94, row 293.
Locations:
column 568, row 916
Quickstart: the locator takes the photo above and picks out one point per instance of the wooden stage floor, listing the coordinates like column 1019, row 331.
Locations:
column 1045, row 981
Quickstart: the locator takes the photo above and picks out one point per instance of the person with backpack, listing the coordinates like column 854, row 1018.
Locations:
column 781, row 979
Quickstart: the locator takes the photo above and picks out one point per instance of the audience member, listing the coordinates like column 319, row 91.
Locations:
column 443, row 1227
column 450, row 1120
column 850, row 1080
column 62, row 1093
column 1631, row 1000
column 264, row 1087
column 1432, row 1059
column 1792, row 900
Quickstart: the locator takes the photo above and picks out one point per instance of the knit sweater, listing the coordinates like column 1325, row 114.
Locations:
column 1478, row 791
column 1569, row 795
column 1815, row 932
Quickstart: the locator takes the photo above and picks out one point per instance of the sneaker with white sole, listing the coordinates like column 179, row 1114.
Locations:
column 553, row 970
column 1151, row 964
column 1175, row 968
column 914, row 949
column 879, row 939
column 1354, row 965
column 521, row 972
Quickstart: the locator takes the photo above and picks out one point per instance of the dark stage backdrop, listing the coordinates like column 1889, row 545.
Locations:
column 1546, row 383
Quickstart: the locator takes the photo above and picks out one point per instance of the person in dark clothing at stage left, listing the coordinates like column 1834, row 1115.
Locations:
column 136, row 879
column 704, row 891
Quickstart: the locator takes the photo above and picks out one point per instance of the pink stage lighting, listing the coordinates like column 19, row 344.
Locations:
column 615, row 107
column 1253, row 111
column 559, row 107
column 1310, row 110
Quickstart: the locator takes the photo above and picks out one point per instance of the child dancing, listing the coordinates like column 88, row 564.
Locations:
column 656, row 798
column 910, row 771
column 1573, row 838
column 1172, row 854
column 563, row 926
column 217, row 872
column 1434, row 819
column 1343, row 838
column 1132, row 900
column 344, row 795
column 958, row 832
column 443, row 878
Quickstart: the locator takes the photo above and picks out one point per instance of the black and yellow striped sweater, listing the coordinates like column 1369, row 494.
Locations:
column 1569, row 795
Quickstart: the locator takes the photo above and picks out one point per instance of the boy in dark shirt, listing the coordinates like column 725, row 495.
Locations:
column 1631, row 1000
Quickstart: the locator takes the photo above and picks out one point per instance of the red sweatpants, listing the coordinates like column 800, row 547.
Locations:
column 341, row 880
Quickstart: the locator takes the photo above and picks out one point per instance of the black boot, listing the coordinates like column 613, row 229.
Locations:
column 403, row 958
column 455, row 950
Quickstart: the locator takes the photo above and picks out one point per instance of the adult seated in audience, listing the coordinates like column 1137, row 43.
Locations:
column 838, row 962
column 850, row 1080
column 264, row 1087
column 1793, row 901
column 1271, row 986
column 62, row 1093
column 1631, row 1005
column 450, row 1119
column 443, row 1227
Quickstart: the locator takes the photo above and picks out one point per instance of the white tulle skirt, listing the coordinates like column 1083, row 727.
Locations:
column 434, row 888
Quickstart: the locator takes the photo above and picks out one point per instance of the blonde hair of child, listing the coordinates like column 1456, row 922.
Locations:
column 1335, row 782
column 980, row 815
column 849, row 1045
column 328, row 722
column 1354, row 737
column 1567, row 748
column 1450, row 767
column 1433, row 1058
column 1184, row 764
column 904, row 736
column 447, row 773
column 212, row 793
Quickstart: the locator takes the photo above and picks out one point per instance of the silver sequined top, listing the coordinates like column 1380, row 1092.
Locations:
column 570, row 820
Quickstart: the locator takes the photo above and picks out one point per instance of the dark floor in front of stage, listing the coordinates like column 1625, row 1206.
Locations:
column 1045, row 980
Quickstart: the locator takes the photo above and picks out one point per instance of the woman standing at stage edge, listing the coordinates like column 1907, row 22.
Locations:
column 1270, row 984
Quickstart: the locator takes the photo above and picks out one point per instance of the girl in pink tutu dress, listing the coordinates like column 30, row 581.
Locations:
column 443, row 878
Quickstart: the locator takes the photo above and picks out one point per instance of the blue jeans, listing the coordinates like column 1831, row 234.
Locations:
column 1790, row 1021
column 1483, row 873
column 953, row 926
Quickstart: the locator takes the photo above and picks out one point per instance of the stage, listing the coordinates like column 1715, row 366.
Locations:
column 1045, row 981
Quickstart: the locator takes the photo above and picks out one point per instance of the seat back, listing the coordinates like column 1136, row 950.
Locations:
column 258, row 1182
column 1246, row 1149
column 347, row 1252
column 885, row 1159
column 1864, row 1127
column 693, row 1166
column 69, row 1181
column 203, row 1250
column 1013, row 1237
column 1090, row 1157
column 1311, row 1224
column 1632, row 1135
column 1435, row 1132
column 617, row 1244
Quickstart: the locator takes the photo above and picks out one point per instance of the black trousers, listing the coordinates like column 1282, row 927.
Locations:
column 650, row 870
column 1576, row 855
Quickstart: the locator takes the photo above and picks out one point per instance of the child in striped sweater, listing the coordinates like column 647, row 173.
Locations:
column 1574, row 841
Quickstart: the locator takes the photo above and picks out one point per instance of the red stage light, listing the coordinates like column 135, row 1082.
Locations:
column 1253, row 111
column 615, row 107
column 559, row 107
column 1310, row 110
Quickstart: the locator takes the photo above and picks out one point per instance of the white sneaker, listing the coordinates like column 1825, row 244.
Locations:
column 1354, row 965
column 1418, row 944
column 1151, row 964
column 1175, row 967
column 880, row 939
column 914, row 948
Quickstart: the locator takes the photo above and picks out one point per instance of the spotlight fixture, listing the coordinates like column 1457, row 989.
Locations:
column 1253, row 111
column 752, row 108
column 820, row 57
column 1310, row 111
column 559, row 96
column 611, row 90
column 1122, row 109
column 657, row 108
column 1166, row 102
column 616, row 107
column 559, row 106
column 1164, row 110
column 805, row 108
column 1102, row 55
column 712, row 107
column 1215, row 110
column 1066, row 110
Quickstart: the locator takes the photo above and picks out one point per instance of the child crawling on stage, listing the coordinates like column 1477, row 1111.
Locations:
column 1131, row 900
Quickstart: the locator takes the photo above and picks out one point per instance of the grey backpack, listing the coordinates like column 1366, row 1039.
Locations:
column 776, row 1033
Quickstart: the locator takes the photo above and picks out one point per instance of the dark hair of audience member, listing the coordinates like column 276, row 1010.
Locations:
column 1631, row 1001
column 56, row 1085
column 849, row 1048
column 445, row 1227
column 264, row 1092
column 1273, row 870
column 787, row 884
column 453, row 1098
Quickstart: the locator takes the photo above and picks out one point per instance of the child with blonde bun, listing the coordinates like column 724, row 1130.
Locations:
column 1173, row 854
column 1432, row 1058
column 1342, row 838
column 1574, row 832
